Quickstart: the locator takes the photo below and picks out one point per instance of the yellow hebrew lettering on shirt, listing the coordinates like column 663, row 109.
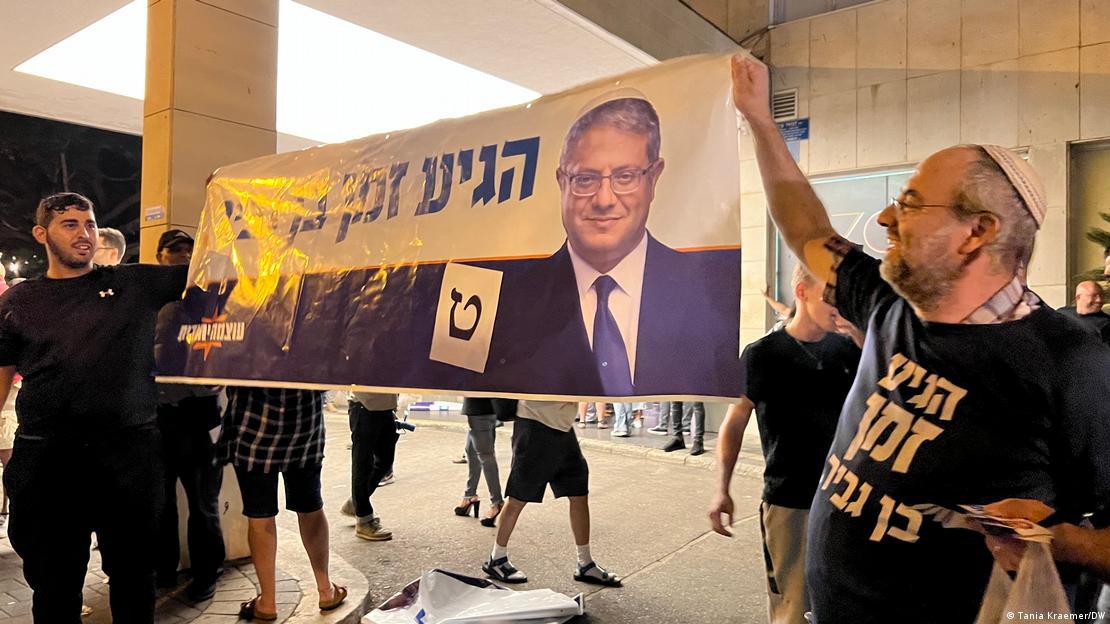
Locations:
column 913, row 524
column 834, row 466
column 955, row 394
column 922, row 399
column 874, row 403
column 883, row 528
column 895, row 415
column 856, row 507
column 884, row 518
column 894, row 376
column 922, row 431
column 841, row 499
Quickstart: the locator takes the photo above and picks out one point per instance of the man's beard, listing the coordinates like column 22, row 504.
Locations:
column 923, row 286
column 67, row 257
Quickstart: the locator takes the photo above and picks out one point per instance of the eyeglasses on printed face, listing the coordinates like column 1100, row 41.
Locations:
column 622, row 182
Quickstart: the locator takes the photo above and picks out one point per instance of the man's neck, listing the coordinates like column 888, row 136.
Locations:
column 801, row 327
column 970, row 292
column 61, row 271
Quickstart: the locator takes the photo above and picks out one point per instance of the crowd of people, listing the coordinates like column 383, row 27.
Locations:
column 961, row 386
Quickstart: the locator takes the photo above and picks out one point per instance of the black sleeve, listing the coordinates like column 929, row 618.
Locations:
column 11, row 341
column 162, row 283
column 1083, row 422
column 859, row 288
column 749, row 373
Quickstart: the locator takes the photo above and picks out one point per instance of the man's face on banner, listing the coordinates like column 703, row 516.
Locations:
column 607, row 185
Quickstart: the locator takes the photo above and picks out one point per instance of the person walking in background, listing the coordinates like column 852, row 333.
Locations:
column 373, row 447
column 796, row 380
column 482, row 415
column 546, row 452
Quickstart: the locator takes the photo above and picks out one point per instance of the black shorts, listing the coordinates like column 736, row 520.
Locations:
column 542, row 455
column 260, row 493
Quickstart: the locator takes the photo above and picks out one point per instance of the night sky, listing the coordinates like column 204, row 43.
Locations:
column 39, row 157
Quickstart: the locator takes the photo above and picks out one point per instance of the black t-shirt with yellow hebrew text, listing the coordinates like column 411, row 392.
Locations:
column 947, row 414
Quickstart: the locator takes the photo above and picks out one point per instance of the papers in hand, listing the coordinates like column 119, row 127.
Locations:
column 1011, row 518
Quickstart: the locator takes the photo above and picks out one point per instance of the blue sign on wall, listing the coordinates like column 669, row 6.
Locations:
column 796, row 130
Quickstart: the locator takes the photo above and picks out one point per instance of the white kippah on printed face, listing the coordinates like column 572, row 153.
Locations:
column 1025, row 180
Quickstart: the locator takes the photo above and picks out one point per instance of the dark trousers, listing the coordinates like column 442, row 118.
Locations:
column 63, row 490
column 189, row 455
column 373, row 448
column 686, row 414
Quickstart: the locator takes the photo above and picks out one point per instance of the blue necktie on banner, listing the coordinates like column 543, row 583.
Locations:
column 609, row 350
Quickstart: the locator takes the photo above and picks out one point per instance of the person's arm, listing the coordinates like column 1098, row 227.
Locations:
column 163, row 283
column 1085, row 547
column 7, row 377
column 728, row 448
column 782, row 311
column 797, row 212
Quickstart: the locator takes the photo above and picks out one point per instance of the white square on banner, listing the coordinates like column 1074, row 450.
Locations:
column 464, row 318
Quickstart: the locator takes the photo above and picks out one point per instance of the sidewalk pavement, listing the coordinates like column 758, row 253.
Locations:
column 649, row 525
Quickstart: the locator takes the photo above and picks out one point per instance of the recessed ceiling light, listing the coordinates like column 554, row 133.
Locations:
column 337, row 81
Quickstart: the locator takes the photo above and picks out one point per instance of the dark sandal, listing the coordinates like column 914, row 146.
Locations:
column 249, row 611
column 339, row 594
column 607, row 579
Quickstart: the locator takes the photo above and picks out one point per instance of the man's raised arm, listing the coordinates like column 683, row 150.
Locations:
column 794, row 207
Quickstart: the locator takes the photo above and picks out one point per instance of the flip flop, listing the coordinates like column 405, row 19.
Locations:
column 249, row 611
column 339, row 594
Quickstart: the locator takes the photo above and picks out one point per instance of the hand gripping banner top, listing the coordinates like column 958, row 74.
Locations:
column 586, row 244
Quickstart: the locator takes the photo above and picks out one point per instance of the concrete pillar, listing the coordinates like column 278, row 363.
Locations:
column 211, row 88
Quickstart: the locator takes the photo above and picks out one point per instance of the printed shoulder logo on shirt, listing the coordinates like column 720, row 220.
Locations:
column 892, row 432
column 211, row 333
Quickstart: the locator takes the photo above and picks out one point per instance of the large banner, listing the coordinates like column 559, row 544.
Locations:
column 586, row 244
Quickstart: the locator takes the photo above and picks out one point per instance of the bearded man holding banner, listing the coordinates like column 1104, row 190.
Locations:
column 970, row 390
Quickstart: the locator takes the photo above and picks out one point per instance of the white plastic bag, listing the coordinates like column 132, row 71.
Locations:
column 1036, row 590
column 441, row 597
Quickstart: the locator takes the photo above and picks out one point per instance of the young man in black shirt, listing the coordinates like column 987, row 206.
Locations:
column 87, row 454
column 795, row 379
column 970, row 389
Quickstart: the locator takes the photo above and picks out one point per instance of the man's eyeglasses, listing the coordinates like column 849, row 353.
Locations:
column 622, row 182
column 902, row 206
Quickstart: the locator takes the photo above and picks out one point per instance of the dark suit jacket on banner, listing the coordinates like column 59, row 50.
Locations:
column 688, row 329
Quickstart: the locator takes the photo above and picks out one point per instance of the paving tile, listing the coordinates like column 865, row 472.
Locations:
column 20, row 594
column 223, row 607
column 235, row 583
column 234, row 594
column 288, row 586
column 217, row 619
column 289, row 597
column 13, row 583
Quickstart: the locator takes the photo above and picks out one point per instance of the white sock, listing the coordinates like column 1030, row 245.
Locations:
column 499, row 551
column 584, row 556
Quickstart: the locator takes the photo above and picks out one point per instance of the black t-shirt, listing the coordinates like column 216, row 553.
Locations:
column 85, row 347
column 1097, row 323
column 798, row 389
column 947, row 414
